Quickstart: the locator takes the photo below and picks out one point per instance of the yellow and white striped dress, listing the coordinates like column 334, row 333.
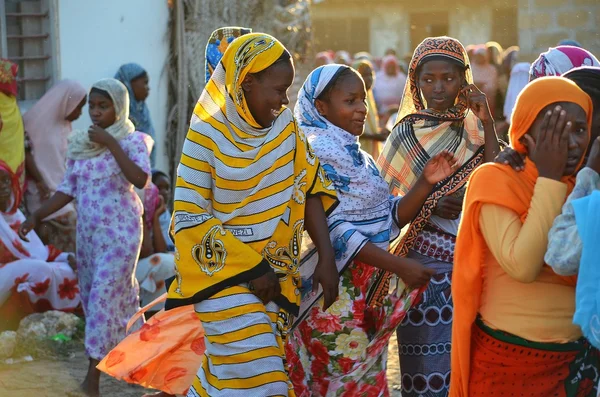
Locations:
column 239, row 211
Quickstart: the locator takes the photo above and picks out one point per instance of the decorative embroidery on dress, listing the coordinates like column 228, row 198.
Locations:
column 285, row 259
column 299, row 183
column 210, row 254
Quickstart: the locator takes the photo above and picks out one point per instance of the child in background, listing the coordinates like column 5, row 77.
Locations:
column 104, row 163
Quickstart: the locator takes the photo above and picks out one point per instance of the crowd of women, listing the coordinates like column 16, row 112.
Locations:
column 293, row 263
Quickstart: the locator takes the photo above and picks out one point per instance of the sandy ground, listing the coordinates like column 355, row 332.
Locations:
column 54, row 378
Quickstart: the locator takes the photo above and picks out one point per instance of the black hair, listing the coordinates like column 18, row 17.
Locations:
column 461, row 67
column 588, row 79
column 158, row 174
column 342, row 73
column 284, row 57
column 98, row 91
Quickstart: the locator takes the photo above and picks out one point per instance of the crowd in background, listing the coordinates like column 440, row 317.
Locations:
column 86, row 222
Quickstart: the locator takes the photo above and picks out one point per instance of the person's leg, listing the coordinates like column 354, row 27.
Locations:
column 244, row 354
column 91, row 384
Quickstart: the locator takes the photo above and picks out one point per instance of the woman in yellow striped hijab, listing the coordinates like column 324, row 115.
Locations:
column 245, row 181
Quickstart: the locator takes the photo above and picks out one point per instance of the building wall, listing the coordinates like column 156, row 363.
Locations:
column 96, row 37
column 543, row 23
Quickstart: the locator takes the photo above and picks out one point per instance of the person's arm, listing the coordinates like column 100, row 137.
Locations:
column 479, row 105
column 519, row 247
column 56, row 202
column 438, row 168
column 410, row 271
column 326, row 274
column 132, row 171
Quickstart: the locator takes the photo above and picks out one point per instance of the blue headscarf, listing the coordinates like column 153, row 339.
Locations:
column 139, row 114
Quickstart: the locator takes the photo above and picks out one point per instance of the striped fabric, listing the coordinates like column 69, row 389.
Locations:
column 235, row 322
column 239, row 206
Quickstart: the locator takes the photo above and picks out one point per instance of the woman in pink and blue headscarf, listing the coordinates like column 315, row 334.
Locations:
column 559, row 60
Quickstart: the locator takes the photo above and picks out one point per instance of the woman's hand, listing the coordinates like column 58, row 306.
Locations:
column 266, row 287
column 448, row 207
column 72, row 262
column 509, row 156
column 30, row 223
column 440, row 167
column 327, row 275
column 478, row 103
column 413, row 273
column 594, row 159
column 550, row 151
column 161, row 208
column 100, row 136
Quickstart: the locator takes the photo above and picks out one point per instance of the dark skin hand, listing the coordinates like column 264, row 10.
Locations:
column 410, row 271
column 438, row 168
column 266, row 287
column 509, row 156
column 56, row 202
column 549, row 153
column 478, row 104
column 134, row 174
column 326, row 272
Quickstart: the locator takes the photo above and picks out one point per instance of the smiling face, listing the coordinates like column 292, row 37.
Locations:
column 578, row 139
column 440, row 82
column 102, row 109
column 266, row 91
column 345, row 104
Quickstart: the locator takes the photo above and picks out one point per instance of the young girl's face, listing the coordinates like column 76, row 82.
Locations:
column 266, row 92
column 164, row 187
column 346, row 106
column 74, row 115
column 440, row 82
column 102, row 110
column 141, row 88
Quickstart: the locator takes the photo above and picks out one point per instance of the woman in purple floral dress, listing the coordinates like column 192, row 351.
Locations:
column 104, row 163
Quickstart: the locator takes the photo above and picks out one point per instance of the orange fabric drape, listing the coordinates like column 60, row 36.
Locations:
column 488, row 185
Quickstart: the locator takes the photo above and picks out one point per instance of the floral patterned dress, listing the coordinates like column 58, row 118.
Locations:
column 109, row 237
column 343, row 351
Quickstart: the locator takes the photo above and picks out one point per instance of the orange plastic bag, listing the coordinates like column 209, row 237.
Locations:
column 164, row 354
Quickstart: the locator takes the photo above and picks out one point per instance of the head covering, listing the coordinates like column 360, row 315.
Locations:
column 500, row 185
column 80, row 146
column 362, row 213
column 254, row 188
column 423, row 133
column 389, row 59
column 8, row 77
column 572, row 43
column 363, row 55
column 558, row 61
column 48, row 131
column 12, row 136
column 588, row 79
column 139, row 114
column 218, row 42
column 15, row 184
column 413, row 102
column 519, row 77
column 495, row 52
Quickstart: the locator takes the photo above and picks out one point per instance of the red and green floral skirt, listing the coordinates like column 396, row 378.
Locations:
column 343, row 351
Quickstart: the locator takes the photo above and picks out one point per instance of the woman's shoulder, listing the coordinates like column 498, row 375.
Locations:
column 137, row 138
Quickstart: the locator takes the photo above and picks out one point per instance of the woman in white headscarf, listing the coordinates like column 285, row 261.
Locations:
column 104, row 164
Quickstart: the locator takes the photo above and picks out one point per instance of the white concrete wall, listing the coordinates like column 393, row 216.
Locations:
column 96, row 37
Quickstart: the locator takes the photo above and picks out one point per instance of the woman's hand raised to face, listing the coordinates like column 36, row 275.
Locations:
column 594, row 159
column 440, row 167
column 478, row 103
column 100, row 136
column 509, row 156
column 550, row 151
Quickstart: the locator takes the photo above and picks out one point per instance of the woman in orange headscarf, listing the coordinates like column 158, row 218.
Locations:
column 513, row 327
